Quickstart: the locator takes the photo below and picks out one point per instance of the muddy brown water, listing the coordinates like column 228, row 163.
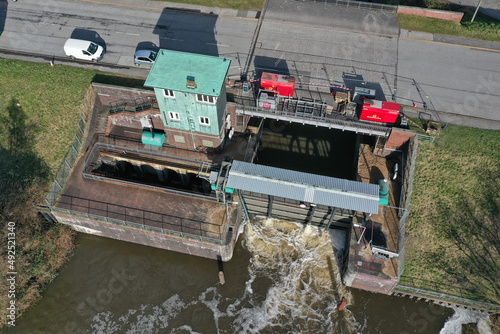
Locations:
column 282, row 278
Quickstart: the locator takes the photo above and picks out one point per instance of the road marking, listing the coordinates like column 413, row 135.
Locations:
column 217, row 44
column 127, row 33
column 172, row 39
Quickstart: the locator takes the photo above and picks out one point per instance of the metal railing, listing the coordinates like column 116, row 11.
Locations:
column 76, row 214
column 103, row 144
column 342, row 123
column 73, row 153
column 356, row 4
column 137, row 105
column 145, row 219
column 408, row 177
column 435, row 291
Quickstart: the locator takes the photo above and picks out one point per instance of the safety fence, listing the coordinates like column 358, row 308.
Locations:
column 455, row 295
column 340, row 122
column 356, row 4
column 141, row 219
column 73, row 154
column 408, row 175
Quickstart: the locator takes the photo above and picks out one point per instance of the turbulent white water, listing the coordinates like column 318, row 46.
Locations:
column 292, row 287
column 461, row 316
column 306, row 289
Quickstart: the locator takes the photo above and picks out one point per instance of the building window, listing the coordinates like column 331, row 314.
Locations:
column 174, row 115
column 206, row 98
column 204, row 120
column 168, row 93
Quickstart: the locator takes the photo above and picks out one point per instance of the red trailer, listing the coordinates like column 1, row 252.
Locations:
column 380, row 111
column 281, row 84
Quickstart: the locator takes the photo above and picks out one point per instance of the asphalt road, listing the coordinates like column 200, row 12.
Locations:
column 369, row 50
column 42, row 27
column 322, row 45
column 453, row 78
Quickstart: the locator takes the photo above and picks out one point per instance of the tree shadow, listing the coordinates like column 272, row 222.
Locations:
column 472, row 227
column 20, row 166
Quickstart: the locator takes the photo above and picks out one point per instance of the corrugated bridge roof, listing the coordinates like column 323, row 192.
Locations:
column 309, row 188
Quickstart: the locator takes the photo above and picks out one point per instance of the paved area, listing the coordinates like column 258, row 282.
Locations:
column 411, row 68
column 326, row 51
column 336, row 17
column 321, row 44
column 40, row 29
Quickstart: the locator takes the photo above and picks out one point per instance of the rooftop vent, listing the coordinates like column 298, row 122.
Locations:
column 191, row 83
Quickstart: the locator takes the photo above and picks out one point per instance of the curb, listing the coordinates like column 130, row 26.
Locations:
column 446, row 39
column 193, row 9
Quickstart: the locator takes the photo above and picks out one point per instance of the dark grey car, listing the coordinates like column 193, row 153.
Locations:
column 145, row 57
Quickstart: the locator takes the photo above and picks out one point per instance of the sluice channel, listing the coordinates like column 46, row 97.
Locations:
column 178, row 178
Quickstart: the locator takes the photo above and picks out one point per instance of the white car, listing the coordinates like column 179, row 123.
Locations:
column 85, row 50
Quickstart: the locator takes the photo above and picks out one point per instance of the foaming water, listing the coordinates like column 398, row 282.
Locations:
column 461, row 316
column 283, row 278
column 292, row 286
column 306, row 289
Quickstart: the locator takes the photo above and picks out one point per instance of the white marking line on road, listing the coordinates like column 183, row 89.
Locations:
column 172, row 39
column 127, row 33
column 217, row 44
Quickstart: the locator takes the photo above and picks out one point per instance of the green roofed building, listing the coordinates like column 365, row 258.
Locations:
column 191, row 93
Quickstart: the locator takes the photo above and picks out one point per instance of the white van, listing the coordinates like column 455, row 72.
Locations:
column 81, row 49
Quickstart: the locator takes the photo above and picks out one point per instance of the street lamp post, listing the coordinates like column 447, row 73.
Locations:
column 477, row 8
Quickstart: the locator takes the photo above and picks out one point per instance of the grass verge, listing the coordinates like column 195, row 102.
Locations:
column 39, row 111
column 483, row 28
column 453, row 243
column 233, row 4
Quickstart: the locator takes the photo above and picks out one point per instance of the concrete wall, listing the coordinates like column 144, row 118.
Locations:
column 372, row 283
column 108, row 94
column 146, row 237
column 433, row 13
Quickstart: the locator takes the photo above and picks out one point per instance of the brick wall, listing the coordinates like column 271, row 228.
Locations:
column 433, row 13
column 396, row 140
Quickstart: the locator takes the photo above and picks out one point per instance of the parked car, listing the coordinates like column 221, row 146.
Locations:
column 82, row 49
column 145, row 57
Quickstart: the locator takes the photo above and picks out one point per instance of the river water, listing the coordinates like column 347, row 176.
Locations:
column 283, row 278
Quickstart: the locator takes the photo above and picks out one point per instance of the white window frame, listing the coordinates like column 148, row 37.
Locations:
column 168, row 93
column 206, row 98
column 174, row 116
column 204, row 120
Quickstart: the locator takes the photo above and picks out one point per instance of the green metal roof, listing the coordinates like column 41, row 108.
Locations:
column 172, row 69
column 152, row 138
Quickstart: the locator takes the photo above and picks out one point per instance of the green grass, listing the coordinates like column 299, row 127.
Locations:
column 483, row 28
column 39, row 111
column 234, row 4
column 453, row 236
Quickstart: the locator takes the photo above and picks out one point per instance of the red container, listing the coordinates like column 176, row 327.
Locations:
column 380, row 111
column 283, row 85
